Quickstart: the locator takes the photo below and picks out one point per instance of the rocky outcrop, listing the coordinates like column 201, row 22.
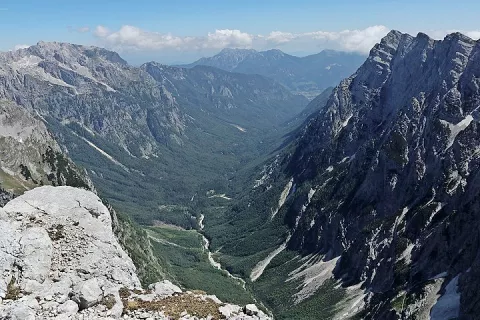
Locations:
column 393, row 160
column 101, row 90
column 30, row 156
column 59, row 259
column 5, row 196
column 58, row 246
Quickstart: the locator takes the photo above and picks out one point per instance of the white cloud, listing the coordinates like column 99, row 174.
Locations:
column 473, row 34
column 228, row 38
column 101, row 31
column 359, row 40
column 349, row 40
column 362, row 40
column 131, row 37
column 20, row 46
column 280, row 37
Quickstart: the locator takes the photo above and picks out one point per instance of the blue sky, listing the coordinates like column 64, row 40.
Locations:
column 169, row 31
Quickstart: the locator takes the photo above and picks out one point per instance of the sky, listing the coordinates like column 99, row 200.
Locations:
column 181, row 31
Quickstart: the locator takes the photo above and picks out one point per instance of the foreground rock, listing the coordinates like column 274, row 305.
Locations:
column 59, row 259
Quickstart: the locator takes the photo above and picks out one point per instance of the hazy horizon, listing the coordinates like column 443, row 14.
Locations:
column 185, row 31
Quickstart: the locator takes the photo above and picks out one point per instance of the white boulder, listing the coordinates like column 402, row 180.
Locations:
column 164, row 288
column 87, row 293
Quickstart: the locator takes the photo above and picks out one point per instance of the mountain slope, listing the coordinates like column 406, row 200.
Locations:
column 124, row 124
column 379, row 193
column 30, row 156
column 308, row 75
column 252, row 101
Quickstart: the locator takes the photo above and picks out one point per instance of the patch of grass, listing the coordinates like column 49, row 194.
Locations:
column 185, row 260
column 174, row 306
column 135, row 241
column 124, row 292
column 109, row 301
column 398, row 303
column 13, row 291
column 13, row 184
column 55, row 232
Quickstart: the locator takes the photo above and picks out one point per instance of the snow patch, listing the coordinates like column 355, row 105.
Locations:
column 27, row 62
column 345, row 123
column 109, row 157
column 239, row 128
column 344, row 160
column 222, row 196
column 455, row 129
column 440, row 275
column 84, row 72
column 311, row 192
column 448, row 305
column 257, row 271
column 434, row 212
column 283, row 197
column 31, row 63
column 313, row 274
column 407, row 254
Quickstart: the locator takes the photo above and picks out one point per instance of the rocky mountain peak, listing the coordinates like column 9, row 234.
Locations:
column 397, row 137
column 274, row 53
column 66, row 51
column 381, row 190
column 230, row 51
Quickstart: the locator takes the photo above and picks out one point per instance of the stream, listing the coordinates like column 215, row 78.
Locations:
column 217, row 265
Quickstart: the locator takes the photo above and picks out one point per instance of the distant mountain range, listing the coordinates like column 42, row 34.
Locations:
column 308, row 75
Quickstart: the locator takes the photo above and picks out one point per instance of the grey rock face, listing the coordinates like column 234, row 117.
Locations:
column 29, row 155
column 57, row 245
column 392, row 164
column 97, row 90
column 100, row 89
